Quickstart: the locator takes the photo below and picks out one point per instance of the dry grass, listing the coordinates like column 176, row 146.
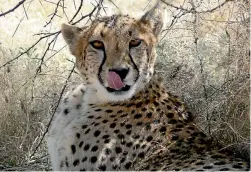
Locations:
column 26, row 107
column 211, row 75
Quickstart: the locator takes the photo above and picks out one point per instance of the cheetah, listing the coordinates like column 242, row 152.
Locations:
column 122, row 117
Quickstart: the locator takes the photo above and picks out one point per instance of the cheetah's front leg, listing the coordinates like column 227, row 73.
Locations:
column 73, row 106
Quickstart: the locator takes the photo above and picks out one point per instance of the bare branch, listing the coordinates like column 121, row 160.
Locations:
column 54, row 111
column 55, row 53
column 186, row 11
column 31, row 47
column 17, row 27
column 177, row 8
column 114, row 4
column 215, row 8
column 103, row 8
column 54, row 3
column 25, row 12
column 46, row 35
column 21, row 20
column 79, row 8
column 91, row 13
column 63, row 8
column 201, row 65
column 174, row 20
column 13, row 9
column 39, row 68
column 193, row 10
column 53, row 14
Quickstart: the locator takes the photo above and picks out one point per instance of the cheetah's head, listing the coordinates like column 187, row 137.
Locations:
column 115, row 55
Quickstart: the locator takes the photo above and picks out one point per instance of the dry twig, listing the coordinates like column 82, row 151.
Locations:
column 12, row 9
column 54, row 111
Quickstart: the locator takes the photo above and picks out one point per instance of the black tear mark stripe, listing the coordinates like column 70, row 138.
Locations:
column 83, row 60
column 100, row 67
column 85, row 56
column 135, row 67
column 149, row 57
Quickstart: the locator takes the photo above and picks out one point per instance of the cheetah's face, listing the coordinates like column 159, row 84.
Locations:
column 116, row 54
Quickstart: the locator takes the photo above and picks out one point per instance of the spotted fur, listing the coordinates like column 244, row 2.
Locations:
column 143, row 128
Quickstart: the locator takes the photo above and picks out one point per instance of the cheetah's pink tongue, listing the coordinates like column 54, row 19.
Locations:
column 114, row 81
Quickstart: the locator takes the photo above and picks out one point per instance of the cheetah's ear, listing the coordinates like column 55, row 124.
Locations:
column 154, row 17
column 70, row 34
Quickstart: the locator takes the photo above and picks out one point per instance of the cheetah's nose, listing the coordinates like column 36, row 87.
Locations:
column 121, row 72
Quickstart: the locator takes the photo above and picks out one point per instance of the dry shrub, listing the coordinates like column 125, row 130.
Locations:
column 27, row 103
column 205, row 62
column 209, row 69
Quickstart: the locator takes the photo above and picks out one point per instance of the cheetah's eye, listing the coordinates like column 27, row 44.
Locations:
column 134, row 43
column 97, row 44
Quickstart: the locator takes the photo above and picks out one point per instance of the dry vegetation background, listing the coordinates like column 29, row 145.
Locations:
column 203, row 56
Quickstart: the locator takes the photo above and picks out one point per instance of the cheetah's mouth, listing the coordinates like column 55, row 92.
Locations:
column 125, row 88
column 115, row 83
